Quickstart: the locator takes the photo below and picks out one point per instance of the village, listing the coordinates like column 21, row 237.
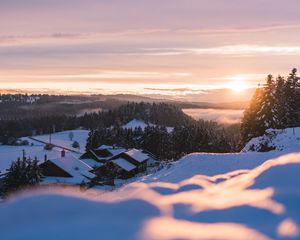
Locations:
column 63, row 163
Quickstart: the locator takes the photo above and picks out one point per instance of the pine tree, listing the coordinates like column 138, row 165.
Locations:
column 251, row 124
column 21, row 174
column 266, row 113
column 280, row 106
column 276, row 105
column 292, row 99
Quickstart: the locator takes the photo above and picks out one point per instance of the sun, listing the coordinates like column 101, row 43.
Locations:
column 237, row 85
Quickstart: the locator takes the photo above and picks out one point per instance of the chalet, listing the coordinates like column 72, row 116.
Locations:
column 67, row 169
column 99, row 156
column 138, row 158
column 130, row 162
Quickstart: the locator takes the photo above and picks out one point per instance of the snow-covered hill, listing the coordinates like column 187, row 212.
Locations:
column 285, row 140
column 137, row 123
column 248, row 195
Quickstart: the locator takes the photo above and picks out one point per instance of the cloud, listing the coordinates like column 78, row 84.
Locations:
column 177, row 90
column 240, row 50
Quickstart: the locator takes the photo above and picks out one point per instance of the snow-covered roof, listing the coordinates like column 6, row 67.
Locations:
column 124, row 164
column 112, row 149
column 92, row 163
column 137, row 155
column 76, row 168
column 104, row 147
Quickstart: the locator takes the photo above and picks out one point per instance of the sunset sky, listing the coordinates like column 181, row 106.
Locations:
column 188, row 48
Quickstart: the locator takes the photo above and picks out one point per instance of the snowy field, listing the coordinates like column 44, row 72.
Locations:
column 62, row 139
column 8, row 154
column 242, row 196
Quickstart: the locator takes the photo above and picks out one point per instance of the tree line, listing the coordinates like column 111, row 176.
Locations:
column 273, row 105
column 157, row 113
column 166, row 143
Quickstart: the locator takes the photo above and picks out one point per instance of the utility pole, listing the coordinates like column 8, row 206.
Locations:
column 50, row 136
column 24, row 154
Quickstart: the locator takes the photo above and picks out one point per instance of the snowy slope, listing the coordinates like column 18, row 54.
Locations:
column 254, row 204
column 62, row 139
column 209, row 164
column 8, row 154
column 286, row 140
column 136, row 123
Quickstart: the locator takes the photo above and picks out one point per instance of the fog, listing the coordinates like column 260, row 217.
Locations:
column 224, row 116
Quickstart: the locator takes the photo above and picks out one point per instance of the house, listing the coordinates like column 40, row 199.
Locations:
column 136, row 157
column 99, row 156
column 127, row 164
column 66, row 169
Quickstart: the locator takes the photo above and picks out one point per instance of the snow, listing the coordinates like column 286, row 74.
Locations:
column 242, row 196
column 249, row 204
column 124, row 164
column 138, row 155
column 62, row 139
column 76, row 168
column 9, row 154
column 136, row 123
column 285, row 140
column 114, row 151
column 92, row 163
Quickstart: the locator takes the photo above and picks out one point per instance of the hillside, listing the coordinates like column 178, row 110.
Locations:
column 285, row 140
column 202, row 196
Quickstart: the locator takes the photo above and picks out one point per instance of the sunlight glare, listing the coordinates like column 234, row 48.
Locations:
column 238, row 84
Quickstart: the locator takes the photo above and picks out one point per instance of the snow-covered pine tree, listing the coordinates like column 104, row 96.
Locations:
column 266, row 114
column 21, row 174
column 292, row 99
column 280, row 108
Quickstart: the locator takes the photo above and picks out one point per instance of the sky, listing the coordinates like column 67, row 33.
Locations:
column 192, row 49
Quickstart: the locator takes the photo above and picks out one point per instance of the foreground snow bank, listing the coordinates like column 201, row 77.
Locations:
column 261, row 204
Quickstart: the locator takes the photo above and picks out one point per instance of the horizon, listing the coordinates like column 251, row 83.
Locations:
column 171, row 49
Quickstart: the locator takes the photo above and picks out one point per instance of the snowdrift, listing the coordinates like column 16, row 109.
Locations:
column 260, row 203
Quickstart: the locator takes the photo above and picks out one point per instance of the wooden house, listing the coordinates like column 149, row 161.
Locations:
column 99, row 156
column 67, row 169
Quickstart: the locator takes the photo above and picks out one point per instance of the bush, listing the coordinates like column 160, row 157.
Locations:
column 75, row 144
